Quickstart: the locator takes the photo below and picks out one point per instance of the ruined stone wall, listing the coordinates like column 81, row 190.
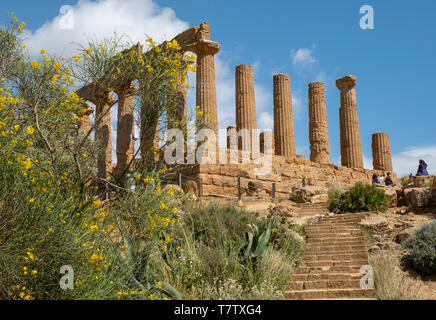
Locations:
column 286, row 173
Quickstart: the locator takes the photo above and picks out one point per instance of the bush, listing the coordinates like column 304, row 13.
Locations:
column 422, row 247
column 362, row 197
column 211, row 266
column 390, row 282
column 406, row 180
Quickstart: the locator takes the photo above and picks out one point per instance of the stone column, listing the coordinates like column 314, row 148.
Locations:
column 125, row 126
column 103, row 132
column 351, row 147
column 231, row 133
column 381, row 152
column 178, row 111
column 149, row 137
column 245, row 106
column 283, row 119
column 206, row 86
column 85, row 124
column 262, row 137
column 318, row 129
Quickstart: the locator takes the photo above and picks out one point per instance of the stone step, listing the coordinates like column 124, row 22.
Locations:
column 321, row 253
column 328, row 269
column 334, row 257
column 327, row 244
column 338, row 225
column 330, row 294
column 344, row 237
column 326, row 276
column 334, row 248
column 337, row 228
column 324, row 284
column 336, row 219
column 325, row 241
column 358, row 263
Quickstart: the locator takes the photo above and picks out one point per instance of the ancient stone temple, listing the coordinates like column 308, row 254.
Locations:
column 284, row 138
column 351, row 147
column 381, row 152
column 286, row 169
column 318, row 129
column 245, row 106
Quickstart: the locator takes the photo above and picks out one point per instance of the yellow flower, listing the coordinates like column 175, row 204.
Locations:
column 30, row 130
column 16, row 127
column 159, row 285
column 42, row 51
column 34, row 272
column 31, row 200
column 85, row 155
column 35, row 65
column 50, row 229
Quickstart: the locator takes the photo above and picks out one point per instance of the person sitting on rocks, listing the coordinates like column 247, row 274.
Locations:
column 375, row 179
column 422, row 169
column 389, row 181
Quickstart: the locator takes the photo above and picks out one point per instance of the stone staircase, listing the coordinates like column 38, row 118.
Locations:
column 309, row 209
column 335, row 252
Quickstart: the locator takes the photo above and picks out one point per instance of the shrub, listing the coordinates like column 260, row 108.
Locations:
column 422, row 247
column 390, row 282
column 362, row 197
column 211, row 266
column 406, row 180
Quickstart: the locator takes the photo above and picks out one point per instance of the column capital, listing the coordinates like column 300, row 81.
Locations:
column 204, row 47
column 125, row 88
column 281, row 76
column 244, row 67
column 89, row 109
column 346, row 83
column 316, row 84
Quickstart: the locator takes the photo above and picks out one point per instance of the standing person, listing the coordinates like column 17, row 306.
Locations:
column 422, row 169
column 389, row 181
column 375, row 179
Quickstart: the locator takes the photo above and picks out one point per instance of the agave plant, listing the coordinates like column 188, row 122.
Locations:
column 137, row 263
column 256, row 244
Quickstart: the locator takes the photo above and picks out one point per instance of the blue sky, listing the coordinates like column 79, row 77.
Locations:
column 310, row 40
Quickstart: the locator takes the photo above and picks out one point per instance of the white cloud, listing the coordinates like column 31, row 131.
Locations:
column 303, row 57
column 406, row 161
column 100, row 19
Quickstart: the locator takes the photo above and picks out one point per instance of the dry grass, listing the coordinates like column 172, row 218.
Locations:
column 390, row 281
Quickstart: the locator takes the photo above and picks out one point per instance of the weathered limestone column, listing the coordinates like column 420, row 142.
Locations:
column 381, row 152
column 149, row 139
column 245, row 106
column 178, row 113
column 206, row 86
column 351, row 147
column 103, row 132
column 262, row 137
column 231, row 134
column 318, row 129
column 125, row 126
column 85, row 124
column 283, row 119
